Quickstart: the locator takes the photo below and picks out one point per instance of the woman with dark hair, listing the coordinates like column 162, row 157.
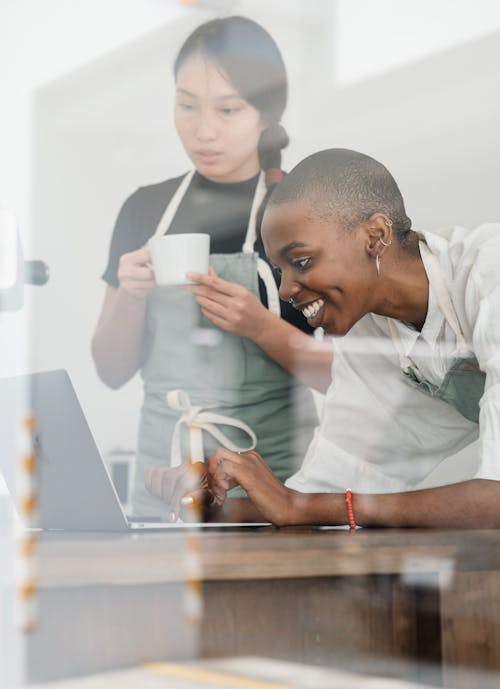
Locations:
column 223, row 375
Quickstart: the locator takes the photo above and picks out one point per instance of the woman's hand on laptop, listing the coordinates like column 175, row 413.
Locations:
column 272, row 500
column 184, row 488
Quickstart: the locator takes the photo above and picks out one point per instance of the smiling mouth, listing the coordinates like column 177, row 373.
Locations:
column 310, row 311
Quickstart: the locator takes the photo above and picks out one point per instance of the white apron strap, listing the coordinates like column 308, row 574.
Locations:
column 445, row 304
column 258, row 197
column 404, row 361
column 175, row 201
column 443, row 296
column 197, row 421
column 263, row 268
column 267, row 277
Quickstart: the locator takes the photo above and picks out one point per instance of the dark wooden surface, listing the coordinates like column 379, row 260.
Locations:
column 417, row 605
column 262, row 554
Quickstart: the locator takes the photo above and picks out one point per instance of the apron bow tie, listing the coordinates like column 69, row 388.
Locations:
column 197, row 420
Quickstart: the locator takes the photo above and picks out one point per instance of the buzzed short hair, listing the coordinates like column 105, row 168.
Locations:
column 347, row 186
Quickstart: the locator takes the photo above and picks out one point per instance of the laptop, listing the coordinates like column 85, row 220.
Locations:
column 75, row 490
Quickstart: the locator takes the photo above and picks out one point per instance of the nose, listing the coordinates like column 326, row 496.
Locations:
column 288, row 289
column 206, row 129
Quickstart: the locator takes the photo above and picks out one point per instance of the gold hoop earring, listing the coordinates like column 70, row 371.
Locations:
column 385, row 243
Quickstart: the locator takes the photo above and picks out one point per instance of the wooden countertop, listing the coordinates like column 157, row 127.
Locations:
column 69, row 560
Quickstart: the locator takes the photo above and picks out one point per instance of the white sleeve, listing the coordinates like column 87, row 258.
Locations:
column 483, row 307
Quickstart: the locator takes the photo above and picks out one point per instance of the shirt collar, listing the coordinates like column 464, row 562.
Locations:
column 433, row 321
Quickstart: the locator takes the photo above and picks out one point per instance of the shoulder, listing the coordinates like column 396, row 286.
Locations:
column 461, row 246
column 469, row 260
column 159, row 192
column 142, row 210
column 140, row 214
column 166, row 186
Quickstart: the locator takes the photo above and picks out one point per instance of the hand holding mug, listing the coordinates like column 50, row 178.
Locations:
column 135, row 274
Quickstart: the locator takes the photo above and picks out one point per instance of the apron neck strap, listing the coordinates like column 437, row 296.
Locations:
column 258, row 197
column 442, row 295
column 405, row 362
column 444, row 302
column 251, row 235
column 175, row 202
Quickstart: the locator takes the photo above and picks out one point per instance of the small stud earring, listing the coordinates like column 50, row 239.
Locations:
column 290, row 301
column 377, row 264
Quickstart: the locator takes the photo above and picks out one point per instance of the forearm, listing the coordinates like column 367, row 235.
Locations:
column 301, row 355
column 470, row 504
column 117, row 345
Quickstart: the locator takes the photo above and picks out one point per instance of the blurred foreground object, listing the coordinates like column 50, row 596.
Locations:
column 14, row 271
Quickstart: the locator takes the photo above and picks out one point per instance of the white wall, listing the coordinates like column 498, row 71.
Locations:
column 103, row 127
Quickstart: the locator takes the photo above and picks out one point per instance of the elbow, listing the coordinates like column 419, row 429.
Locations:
column 107, row 370
column 112, row 382
column 321, row 382
column 324, row 384
column 110, row 376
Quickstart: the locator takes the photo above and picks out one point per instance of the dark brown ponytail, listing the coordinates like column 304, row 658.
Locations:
column 271, row 142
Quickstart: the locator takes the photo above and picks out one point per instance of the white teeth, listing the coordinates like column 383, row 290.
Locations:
column 311, row 310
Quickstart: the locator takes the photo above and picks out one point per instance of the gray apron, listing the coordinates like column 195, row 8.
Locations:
column 463, row 383
column 206, row 388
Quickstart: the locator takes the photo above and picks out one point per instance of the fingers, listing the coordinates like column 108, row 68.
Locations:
column 225, row 312
column 225, row 471
column 190, row 506
column 159, row 481
column 194, row 506
column 170, row 483
column 139, row 258
column 218, row 490
column 134, row 272
column 250, row 471
column 213, row 282
column 137, row 273
column 212, row 310
column 192, row 482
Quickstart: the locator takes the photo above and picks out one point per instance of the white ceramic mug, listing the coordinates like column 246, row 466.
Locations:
column 174, row 255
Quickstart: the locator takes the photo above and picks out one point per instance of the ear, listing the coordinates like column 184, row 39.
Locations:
column 378, row 234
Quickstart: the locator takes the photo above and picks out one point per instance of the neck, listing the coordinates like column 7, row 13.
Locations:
column 403, row 289
column 228, row 180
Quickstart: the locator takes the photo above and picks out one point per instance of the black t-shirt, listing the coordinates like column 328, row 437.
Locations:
column 221, row 210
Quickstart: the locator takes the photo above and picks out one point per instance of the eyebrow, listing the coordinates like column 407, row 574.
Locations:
column 185, row 92
column 288, row 247
column 229, row 96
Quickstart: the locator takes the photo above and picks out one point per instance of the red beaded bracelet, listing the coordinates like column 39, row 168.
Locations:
column 350, row 511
